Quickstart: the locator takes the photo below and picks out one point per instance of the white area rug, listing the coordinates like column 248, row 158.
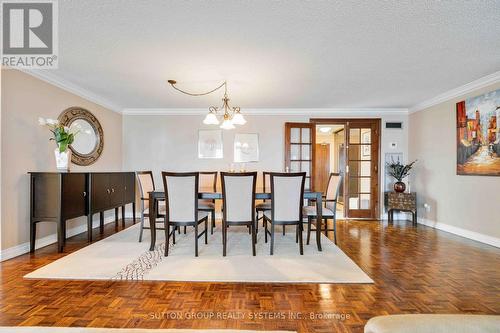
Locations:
column 122, row 257
column 117, row 330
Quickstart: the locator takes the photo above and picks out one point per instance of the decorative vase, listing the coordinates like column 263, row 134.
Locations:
column 399, row 187
column 63, row 160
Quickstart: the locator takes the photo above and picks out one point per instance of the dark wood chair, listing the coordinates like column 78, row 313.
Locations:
column 208, row 181
column 181, row 194
column 146, row 185
column 238, row 191
column 261, row 207
column 287, row 197
column 329, row 209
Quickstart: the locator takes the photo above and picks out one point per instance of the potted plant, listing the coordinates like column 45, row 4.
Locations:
column 399, row 171
column 63, row 138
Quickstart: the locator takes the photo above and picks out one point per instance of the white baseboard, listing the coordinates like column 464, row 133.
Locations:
column 20, row 249
column 493, row 241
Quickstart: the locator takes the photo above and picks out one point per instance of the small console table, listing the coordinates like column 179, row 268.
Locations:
column 406, row 202
column 60, row 196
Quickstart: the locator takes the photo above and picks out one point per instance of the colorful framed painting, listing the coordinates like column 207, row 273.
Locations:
column 478, row 135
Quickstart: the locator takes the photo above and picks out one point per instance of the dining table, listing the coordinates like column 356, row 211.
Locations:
column 208, row 193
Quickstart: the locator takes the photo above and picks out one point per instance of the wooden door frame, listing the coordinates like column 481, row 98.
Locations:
column 345, row 121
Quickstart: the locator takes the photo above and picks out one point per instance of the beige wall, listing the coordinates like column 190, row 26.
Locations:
column 26, row 147
column 466, row 202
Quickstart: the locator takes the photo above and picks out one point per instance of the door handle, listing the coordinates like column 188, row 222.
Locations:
column 112, row 190
column 84, row 193
column 108, row 190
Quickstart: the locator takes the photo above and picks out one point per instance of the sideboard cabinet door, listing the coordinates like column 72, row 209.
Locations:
column 99, row 183
column 74, row 195
column 117, row 187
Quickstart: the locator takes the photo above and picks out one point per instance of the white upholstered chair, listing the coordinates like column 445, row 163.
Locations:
column 329, row 209
column 181, row 194
column 146, row 185
column 208, row 183
column 238, row 191
column 287, row 197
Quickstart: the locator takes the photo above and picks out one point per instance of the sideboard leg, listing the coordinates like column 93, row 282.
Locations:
column 89, row 228
column 133, row 211
column 32, row 236
column 123, row 216
column 60, row 235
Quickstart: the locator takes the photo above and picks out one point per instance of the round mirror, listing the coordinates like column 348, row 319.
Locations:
column 86, row 139
column 88, row 143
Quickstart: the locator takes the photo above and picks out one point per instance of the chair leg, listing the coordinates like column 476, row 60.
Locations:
column 301, row 246
column 173, row 234
column 283, row 230
column 326, row 227
column 272, row 238
column 195, row 239
column 167, row 237
column 309, row 221
column 254, row 238
column 265, row 229
column 142, row 228
column 206, row 230
column 335, row 229
column 224, row 237
column 184, row 230
column 213, row 221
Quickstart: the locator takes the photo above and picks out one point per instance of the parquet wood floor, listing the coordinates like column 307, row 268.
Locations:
column 416, row 270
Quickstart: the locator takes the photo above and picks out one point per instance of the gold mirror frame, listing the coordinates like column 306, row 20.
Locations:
column 71, row 114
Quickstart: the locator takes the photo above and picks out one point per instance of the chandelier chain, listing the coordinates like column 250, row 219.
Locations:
column 224, row 84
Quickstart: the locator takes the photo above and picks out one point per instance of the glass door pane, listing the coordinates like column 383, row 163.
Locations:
column 299, row 149
column 361, row 175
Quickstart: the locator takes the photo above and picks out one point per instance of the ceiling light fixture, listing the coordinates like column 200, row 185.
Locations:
column 230, row 115
column 325, row 129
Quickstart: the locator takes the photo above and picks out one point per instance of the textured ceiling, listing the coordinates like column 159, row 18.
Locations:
column 277, row 54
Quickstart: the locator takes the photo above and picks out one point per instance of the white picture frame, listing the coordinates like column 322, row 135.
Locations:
column 246, row 147
column 210, row 145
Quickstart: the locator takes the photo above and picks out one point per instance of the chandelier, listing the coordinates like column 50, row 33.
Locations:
column 230, row 115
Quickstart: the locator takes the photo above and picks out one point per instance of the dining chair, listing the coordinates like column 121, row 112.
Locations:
column 146, row 185
column 181, row 195
column 329, row 209
column 287, row 197
column 261, row 207
column 208, row 183
column 238, row 191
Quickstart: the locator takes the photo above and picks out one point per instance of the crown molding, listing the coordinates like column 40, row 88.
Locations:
column 457, row 92
column 332, row 112
column 59, row 82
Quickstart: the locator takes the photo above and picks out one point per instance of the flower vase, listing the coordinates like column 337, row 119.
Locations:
column 63, row 160
column 399, row 187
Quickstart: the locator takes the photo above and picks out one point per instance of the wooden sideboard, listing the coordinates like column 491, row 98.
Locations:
column 58, row 197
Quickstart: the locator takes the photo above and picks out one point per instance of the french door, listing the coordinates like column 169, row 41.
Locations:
column 361, row 174
column 299, row 149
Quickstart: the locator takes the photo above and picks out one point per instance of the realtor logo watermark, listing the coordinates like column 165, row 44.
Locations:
column 30, row 34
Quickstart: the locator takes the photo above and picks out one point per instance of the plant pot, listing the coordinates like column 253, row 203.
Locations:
column 399, row 187
column 63, row 160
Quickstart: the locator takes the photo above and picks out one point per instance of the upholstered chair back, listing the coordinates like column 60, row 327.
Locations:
column 333, row 189
column 287, row 196
column 238, row 190
column 181, row 193
column 208, row 181
column 146, row 183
